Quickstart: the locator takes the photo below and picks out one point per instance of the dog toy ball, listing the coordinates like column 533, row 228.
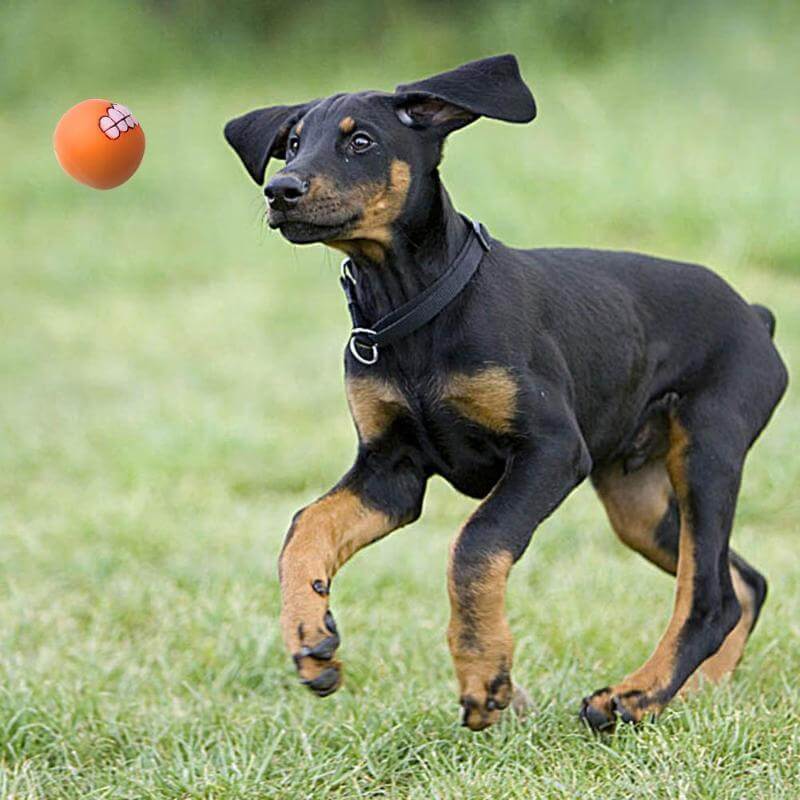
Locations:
column 99, row 143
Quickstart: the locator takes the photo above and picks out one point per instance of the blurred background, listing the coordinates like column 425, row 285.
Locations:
column 158, row 426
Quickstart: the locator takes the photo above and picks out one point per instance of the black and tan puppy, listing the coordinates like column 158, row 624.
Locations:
column 540, row 369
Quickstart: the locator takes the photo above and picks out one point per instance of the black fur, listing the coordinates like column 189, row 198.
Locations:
column 261, row 135
column 491, row 87
column 608, row 350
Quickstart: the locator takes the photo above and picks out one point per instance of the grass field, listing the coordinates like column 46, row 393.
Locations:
column 158, row 428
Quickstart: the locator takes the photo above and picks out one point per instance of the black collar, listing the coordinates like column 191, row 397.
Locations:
column 366, row 339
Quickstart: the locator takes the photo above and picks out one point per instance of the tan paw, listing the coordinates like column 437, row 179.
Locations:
column 482, row 701
column 313, row 648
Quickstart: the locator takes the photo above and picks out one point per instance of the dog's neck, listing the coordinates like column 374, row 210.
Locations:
column 420, row 250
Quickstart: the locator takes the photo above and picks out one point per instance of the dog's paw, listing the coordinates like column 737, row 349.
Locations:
column 603, row 709
column 482, row 703
column 316, row 666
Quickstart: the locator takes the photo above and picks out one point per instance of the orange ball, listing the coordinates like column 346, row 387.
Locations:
column 99, row 143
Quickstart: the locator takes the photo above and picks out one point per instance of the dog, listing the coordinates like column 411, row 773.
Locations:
column 515, row 375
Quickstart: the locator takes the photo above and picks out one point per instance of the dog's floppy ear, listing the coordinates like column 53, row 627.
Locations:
column 491, row 87
column 261, row 135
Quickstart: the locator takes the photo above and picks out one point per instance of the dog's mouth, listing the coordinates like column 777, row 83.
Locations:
column 305, row 231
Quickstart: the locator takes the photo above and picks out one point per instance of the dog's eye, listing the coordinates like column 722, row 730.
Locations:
column 293, row 145
column 360, row 142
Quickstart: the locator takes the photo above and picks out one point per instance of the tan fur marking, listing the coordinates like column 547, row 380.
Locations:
column 324, row 191
column 382, row 204
column 374, row 404
column 724, row 661
column 347, row 125
column 323, row 537
column 676, row 461
column 656, row 673
column 329, row 531
column 379, row 205
column 321, row 188
column 635, row 505
column 479, row 636
column 374, row 251
column 299, row 127
column 488, row 397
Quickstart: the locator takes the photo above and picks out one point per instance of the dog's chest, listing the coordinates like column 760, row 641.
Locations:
column 460, row 421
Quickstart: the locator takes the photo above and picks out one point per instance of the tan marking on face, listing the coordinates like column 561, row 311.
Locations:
column 379, row 206
column 321, row 188
column 299, row 127
column 373, row 251
column 479, row 636
column 347, row 125
column 488, row 397
column 382, row 204
column 374, row 404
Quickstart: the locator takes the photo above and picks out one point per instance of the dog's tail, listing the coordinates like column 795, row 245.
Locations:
column 766, row 316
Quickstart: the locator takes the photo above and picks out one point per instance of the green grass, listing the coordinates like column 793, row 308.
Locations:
column 171, row 392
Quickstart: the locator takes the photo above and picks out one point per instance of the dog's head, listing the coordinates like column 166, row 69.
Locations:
column 355, row 162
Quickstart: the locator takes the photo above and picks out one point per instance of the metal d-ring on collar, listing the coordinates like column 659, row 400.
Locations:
column 355, row 344
column 366, row 339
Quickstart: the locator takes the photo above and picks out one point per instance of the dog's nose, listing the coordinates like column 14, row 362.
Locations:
column 284, row 191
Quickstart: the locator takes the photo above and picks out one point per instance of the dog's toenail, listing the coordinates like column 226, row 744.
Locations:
column 468, row 704
column 325, row 683
column 320, row 587
column 597, row 720
column 325, row 649
column 330, row 624
column 621, row 711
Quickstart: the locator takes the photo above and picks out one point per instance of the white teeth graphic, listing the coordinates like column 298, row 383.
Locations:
column 109, row 128
column 117, row 120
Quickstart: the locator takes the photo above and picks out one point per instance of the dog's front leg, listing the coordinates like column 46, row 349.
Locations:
column 382, row 492
column 538, row 476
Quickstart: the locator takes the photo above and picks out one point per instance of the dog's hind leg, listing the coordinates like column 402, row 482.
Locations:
column 643, row 512
column 751, row 591
column 710, row 432
column 704, row 472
